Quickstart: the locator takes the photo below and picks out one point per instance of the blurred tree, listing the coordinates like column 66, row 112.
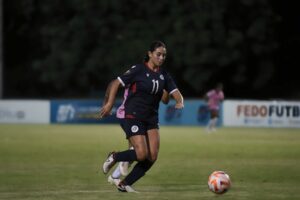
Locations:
column 73, row 48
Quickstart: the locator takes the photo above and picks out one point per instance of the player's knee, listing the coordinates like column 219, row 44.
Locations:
column 153, row 156
column 141, row 154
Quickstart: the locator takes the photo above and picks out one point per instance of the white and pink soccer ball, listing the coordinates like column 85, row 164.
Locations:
column 219, row 182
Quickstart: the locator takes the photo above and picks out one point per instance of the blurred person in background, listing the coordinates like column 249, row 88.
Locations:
column 214, row 97
column 146, row 83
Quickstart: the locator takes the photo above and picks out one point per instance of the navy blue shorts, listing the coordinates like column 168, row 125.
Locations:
column 133, row 127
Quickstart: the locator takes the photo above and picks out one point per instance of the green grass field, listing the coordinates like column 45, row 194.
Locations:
column 48, row 162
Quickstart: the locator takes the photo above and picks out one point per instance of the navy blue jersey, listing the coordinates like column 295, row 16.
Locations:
column 145, row 91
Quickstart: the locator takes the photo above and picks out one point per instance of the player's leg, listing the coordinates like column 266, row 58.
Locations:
column 135, row 132
column 124, row 166
column 116, row 173
column 120, row 170
column 209, row 124
column 140, row 147
column 212, row 122
column 139, row 170
column 153, row 141
column 114, row 179
column 139, row 153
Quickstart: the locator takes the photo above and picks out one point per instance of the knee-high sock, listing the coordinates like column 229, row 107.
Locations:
column 138, row 171
column 128, row 155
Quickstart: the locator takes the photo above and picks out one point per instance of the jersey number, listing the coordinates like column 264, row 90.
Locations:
column 155, row 86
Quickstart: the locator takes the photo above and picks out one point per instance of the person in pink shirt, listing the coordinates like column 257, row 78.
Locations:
column 214, row 97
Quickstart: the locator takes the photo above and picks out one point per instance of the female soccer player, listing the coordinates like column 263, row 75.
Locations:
column 146, row 84
column 214, row 97
column 123, row 167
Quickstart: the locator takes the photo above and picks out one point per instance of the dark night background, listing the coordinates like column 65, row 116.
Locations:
column 73, row 48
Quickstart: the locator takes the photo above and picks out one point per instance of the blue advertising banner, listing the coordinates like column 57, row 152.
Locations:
column 79, row 111
column 195, row 112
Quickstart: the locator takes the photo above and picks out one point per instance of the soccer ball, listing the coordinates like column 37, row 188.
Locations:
column 219, row 182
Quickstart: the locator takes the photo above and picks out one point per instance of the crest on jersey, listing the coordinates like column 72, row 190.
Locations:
column 134, row 128
column 147, row 75
column 162, row 77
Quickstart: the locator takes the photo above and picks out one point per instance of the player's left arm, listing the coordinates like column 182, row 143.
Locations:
column 174, row 91
column 176, row 94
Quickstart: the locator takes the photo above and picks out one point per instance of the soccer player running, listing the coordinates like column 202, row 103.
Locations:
column 123, row 167
column 214, row 97
column 146, row 83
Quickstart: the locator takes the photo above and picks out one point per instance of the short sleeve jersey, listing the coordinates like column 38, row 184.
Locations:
column 214, row 99
column 145, row 91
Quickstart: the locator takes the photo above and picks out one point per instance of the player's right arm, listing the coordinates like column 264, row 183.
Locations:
column 112, row 90
column 107, row 93
column 110, row 97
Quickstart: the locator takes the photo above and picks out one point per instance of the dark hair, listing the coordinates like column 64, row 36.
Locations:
column 154, row 45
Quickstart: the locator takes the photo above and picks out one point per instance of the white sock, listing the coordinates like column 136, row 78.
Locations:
column 116, row 173
column 210, row 123
column 214, row 122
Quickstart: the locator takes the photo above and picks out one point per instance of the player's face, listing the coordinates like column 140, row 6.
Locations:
column 158, row 56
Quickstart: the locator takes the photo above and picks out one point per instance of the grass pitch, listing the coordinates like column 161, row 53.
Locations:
column 48, row 162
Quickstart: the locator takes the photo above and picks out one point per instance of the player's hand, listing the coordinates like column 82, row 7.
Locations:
column 105, row 110
column 179, row 105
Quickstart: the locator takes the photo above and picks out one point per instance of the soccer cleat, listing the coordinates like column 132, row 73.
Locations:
column 124, row 166
column 130, row 189
column 125, row 188
column 109, row 163
column 121, row 188
column 113, row 181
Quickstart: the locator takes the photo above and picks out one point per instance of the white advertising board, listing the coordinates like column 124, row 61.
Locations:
column 25, row 111
column 261, row 113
